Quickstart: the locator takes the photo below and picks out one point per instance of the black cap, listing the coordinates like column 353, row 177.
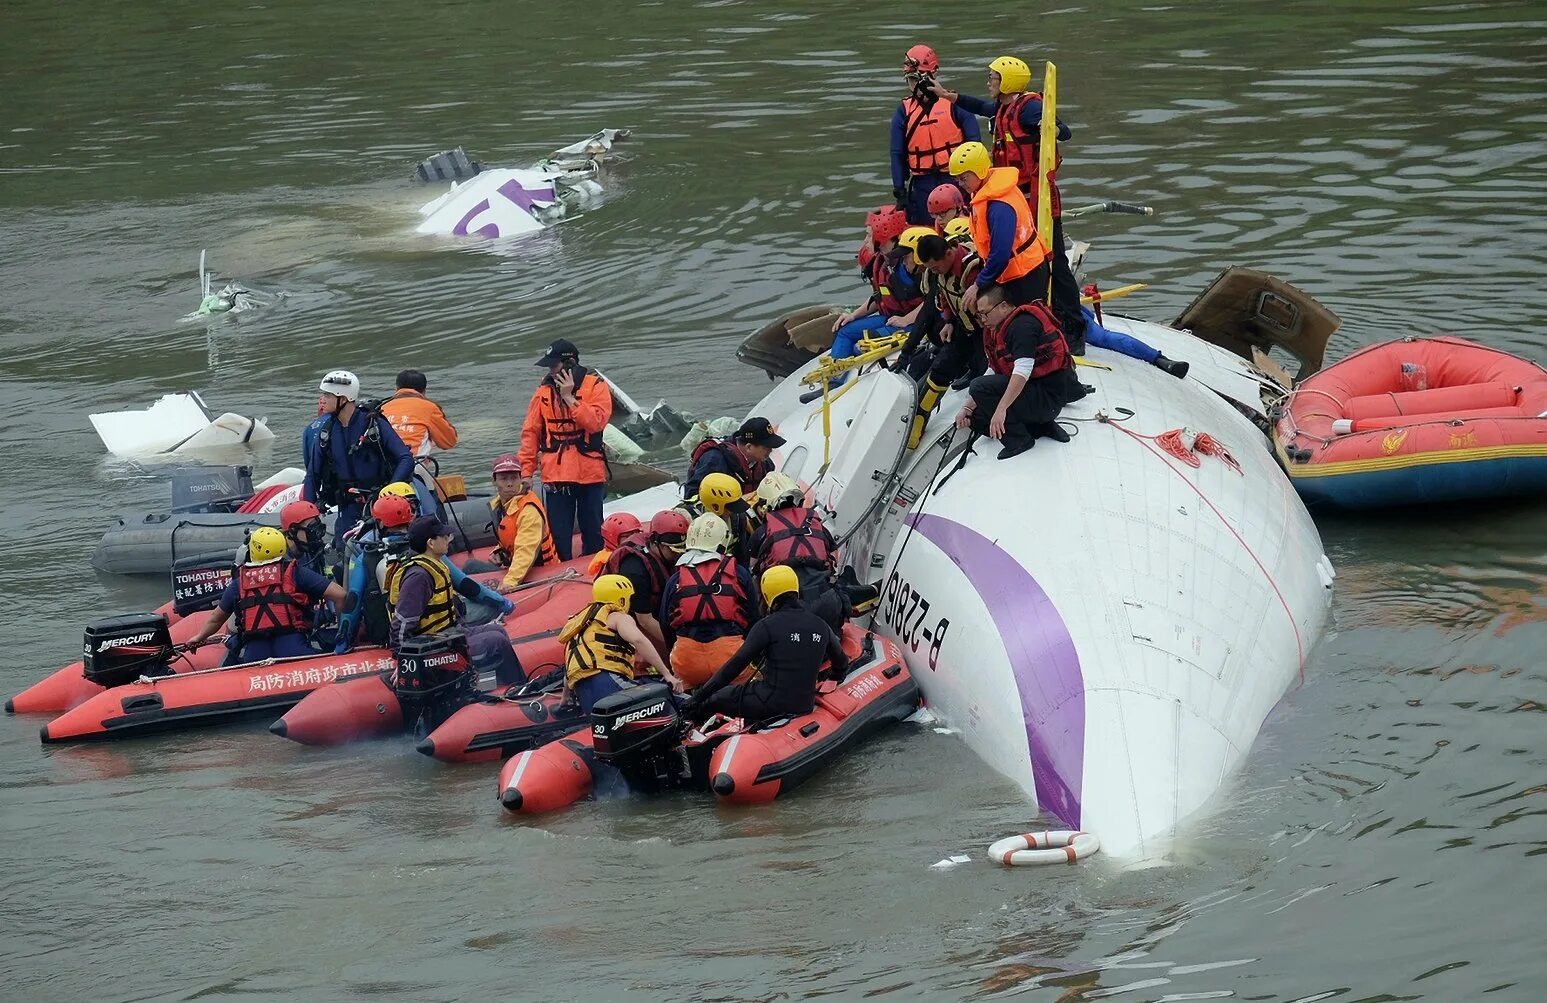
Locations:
column 424, row 529
column 558, row 352
column 758, row 432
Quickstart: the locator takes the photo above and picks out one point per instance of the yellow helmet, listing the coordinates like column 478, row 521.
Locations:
column 266, row 545
column 402, row 489
column 779, row 581
column 614, row 590
column 719, row 492
column 959, row 230
column 709, row 532
column 776, row 487
column 911, row 236
column 970, row 158
column 1014, row 74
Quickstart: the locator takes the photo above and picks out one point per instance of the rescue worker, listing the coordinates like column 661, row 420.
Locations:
column 602, row 643
column 562, row 440
column 417, row 420
column 1004, row 230
column 790, row 645
column 792, row 535
column 1030, row 379
column 706, row 606
column 271, row 598
column 301, row 522
column 364, row 617
column 647, row 559
column 946, row 203
column 894, row 290
column 520, row 526
column 959, row 231
column 925, row 129
column 615, row 529
column 948, row 272
column 722, row 495
column 423, row 598
column 746, row 456
column 351, row 452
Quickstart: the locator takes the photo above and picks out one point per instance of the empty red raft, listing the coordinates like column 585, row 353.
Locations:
column 1417, row 421
column 755, row 765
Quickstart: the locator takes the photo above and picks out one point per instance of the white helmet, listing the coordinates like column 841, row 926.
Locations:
column 709, row 532
column 341, row 383
column 776, row 488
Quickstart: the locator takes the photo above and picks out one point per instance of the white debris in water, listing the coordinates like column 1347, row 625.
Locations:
column 955, row 860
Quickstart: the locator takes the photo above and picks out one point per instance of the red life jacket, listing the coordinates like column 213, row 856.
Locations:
column 889, row 290
column 796, row 537
column 1052, row 351
column 636, row 546
column 1015, row 147
column 268, row 600
column 929, row 135
column 746, row 470
column 709, row 592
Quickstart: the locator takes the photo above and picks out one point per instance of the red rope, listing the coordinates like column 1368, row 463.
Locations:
column 1175, row 435
column 1207, row 445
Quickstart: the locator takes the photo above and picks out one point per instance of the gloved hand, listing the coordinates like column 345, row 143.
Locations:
column 901, row 196
column 690, row 707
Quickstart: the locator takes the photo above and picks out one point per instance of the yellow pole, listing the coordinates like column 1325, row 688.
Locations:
column 1047, row 147
column 1115, row 294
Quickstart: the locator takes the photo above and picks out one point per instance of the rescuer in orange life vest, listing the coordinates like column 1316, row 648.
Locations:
column 925, row 129
column 520, row 526
column 562, row 440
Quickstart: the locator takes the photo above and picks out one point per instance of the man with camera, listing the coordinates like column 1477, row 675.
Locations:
column 925, row 129
column 562, row 440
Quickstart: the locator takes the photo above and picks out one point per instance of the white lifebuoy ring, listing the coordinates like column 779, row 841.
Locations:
column 1061, row 846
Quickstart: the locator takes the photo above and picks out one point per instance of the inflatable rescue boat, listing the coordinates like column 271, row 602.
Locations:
column 1415, row 422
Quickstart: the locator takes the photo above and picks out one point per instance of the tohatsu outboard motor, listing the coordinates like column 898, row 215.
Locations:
column 434, row 679
column 639, row 732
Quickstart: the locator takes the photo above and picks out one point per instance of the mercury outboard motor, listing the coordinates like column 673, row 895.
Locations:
column 121, row 649
column 434, row 679
column 639, row 732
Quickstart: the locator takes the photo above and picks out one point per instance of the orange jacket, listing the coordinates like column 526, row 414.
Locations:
column 415, row 418
column 521, row 525
column 565, row 444
column 930, row 134
column 1030, row 250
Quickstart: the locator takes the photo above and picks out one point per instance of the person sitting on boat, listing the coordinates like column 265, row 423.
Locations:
column 706, row 606
column 894, row 291
column 616, row 528
column 271, row 598
column 561, row 439
column 602, row 644
column 948, row 272
column 417, row 420
column 647, row 559
column 722, row 495
column 925, row 129
column 790, row 645
column 747, row 456
column 793, row 535
column 520, row 522
column 301, row 522
column 959, row 232
column 351, row 453
column 946, row 203
column 423, row 598
column 1030, row 378
column 364, row 617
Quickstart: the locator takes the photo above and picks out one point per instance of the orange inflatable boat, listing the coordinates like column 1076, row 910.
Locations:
column 1417, row 421
column 638, row 733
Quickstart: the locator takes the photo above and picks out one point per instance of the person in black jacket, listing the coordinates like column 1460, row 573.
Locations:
column 790, row 643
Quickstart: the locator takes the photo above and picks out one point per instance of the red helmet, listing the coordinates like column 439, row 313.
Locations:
column 886, row 224
column 669, row 526
column 618, row 525
column 921, row 59
column 945, row 197
column 392, row 511
column 865, row 254
column 297, row 512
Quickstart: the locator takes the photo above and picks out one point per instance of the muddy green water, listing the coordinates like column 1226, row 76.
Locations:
column 1386, row 840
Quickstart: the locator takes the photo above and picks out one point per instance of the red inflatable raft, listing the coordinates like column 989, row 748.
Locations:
column 746, row 763
column 1417, row 421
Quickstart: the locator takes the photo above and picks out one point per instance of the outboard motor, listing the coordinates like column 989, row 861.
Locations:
column 434, row 679
column 121, row 649
column 210, row 489
column 639, row 731
column 197, row 581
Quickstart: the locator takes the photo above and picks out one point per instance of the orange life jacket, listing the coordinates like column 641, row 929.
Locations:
column 415, row 418
column 509, row 519
column 567, row 453
column 1017, row 148
column 930, row 134
column 1030, row 250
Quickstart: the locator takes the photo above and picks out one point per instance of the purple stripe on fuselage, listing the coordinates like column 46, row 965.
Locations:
column 1042, row 658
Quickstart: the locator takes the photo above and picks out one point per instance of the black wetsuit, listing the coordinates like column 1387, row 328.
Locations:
column 791, row 644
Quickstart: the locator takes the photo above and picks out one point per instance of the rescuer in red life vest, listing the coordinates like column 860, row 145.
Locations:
column 272, row 598
column 707, row 605
column 925, row 129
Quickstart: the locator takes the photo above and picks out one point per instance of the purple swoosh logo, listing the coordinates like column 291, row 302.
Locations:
column 1042, row 658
